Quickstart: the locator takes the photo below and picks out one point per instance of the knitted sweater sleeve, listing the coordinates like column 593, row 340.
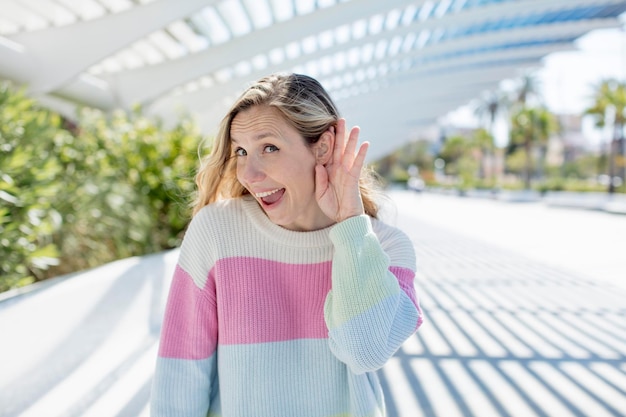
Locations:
column 186, row 361
column 372, row 307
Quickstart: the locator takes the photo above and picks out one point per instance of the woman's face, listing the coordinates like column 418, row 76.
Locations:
column 277, row 167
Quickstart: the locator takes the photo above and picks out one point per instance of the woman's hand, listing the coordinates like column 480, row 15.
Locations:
column 337, row 182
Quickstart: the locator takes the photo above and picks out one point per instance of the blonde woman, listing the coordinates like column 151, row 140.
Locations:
column 289, row 293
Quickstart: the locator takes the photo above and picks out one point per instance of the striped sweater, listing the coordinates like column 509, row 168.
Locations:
column 266, row 322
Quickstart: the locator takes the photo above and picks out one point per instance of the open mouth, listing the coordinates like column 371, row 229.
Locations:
column 270, row 197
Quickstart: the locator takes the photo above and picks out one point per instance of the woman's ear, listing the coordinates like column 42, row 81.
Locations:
column 324, row 147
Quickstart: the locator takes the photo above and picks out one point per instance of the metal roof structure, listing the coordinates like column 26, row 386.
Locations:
column 392, row 66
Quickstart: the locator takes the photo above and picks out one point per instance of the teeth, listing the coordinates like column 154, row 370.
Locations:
column 266, row 193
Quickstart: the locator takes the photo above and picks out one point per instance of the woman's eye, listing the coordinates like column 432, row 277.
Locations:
column 270, row 149
column 240, row 152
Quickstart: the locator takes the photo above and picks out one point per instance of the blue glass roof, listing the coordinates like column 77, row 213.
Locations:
column 534, row 19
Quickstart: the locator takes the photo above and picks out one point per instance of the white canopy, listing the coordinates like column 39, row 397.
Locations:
column 393, row 66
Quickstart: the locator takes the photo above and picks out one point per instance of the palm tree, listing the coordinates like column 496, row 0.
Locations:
column 489, row 106
column 487, row 109
column 483, row 141
column 460, row 163
column 530, row 127
column 609, row 106
column 527, row 93
column 528, row 87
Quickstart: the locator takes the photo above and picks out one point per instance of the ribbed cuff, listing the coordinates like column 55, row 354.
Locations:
column 349, row 229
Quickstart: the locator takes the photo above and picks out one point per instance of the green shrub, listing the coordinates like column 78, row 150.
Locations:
column 30, row 183
column 111, row 187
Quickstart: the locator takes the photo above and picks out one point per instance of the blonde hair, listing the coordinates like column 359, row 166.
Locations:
column 304, row 104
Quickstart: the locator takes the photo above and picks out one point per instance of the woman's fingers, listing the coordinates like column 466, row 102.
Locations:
column 359, row 159
column 348, row 155
column 345, row 144
column 336, row 183
column 340, row 141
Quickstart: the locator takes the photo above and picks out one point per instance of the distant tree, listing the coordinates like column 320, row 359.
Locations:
column 453, row 149
column 531, row 127
column 528, row 89
column 491, row 105
column 609, row 106
column 482, row 140
column 421, row 155
column 461, row 163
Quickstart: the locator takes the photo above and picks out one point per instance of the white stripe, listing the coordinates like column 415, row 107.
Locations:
column 472, row 395
column 601, row 389
column 440, row 398
column 508, row 397
column 556, row 379
column 535, row 389
column 401, row 390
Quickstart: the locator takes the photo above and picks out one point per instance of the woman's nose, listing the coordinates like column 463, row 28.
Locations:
column 252, row 169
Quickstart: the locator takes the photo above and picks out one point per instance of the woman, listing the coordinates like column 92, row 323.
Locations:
column 288, row 294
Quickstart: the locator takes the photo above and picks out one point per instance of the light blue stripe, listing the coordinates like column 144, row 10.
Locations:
column 293, row 378
column 180, row 387
column 367, row 341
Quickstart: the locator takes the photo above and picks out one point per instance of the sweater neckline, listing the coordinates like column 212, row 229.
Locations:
column 312, row 239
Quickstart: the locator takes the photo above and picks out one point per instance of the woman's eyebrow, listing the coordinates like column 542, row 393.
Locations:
column 257, row 137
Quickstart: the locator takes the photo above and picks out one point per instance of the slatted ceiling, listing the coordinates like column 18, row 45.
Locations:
column 358, row 29
column 281, row 10
column 109, row 65
column 164, row 42
column 292, row 50
column 86, row 9
column 199, row 25
column 216, row 29
column 457, row 5
column 394, row 46
column 7, row 26
column 259, row 61
column 339, row 62
column 190, row 33
column 235, row 17
column 116, row 6
column 259, row 13
column 324, row 3
column 151, row 51
column 21, row 18
column 130, row 59
column 387, row 43
column 442, row 8
column 58, row 14
column 425, row 10
column 392, row 19
column 187, row 36
column 376, row 23
column 367, row 51
column 330, row 37
column 304, row 6
column 206, row 82
column 223, row 75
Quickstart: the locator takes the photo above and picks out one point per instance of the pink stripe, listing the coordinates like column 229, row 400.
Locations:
column 189, row 326
column 267, row 301
column 405, row 279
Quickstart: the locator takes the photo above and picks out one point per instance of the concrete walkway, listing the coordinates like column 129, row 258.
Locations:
column 84, row 345
column 513, row 326
column 511, row 330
